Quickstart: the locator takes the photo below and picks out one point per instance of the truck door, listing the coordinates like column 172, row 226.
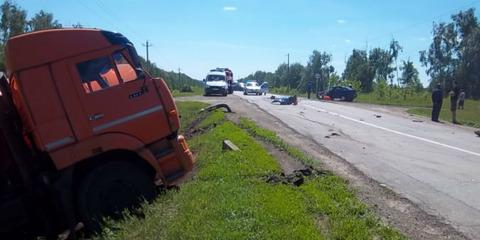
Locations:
column 116, row 99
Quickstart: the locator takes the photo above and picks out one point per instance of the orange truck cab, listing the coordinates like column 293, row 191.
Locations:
column 85, row 130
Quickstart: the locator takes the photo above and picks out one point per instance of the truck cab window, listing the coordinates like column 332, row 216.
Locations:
column 97, row 74
column 127, row 72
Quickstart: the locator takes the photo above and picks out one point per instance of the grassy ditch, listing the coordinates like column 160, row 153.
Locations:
column 229, row 197
column 470, row 116
column 196, row 90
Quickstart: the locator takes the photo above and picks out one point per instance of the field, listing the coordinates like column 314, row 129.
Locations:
column 470, row 116
column 422, row 99
column 421, row 104
column 195, row 91
column 229, row 197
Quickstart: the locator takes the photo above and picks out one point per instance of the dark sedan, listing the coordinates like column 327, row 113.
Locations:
column 339, row 93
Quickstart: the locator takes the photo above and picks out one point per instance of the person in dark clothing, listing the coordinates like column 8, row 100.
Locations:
column 437, row 100
column 309, row 88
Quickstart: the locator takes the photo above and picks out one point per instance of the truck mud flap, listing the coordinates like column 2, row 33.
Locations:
column 12, row 213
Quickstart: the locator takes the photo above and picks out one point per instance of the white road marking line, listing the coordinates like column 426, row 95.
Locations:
column 394, row 131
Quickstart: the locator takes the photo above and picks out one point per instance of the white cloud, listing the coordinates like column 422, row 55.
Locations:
column 348, row 40
column 341, row 21
column 229, row 8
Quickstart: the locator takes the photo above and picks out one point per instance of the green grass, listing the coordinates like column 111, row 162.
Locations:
column 196, row 91
column 188, row 112
column 329, row 198
column 470, row 116
column 271, row 137
column 229, row 199
column 422, row 99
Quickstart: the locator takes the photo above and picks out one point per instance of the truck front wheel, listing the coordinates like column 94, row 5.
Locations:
column 109, row 189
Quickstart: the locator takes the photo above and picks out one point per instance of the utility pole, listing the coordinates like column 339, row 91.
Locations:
column 179, row 79
column 147, row 45
column 288, row 71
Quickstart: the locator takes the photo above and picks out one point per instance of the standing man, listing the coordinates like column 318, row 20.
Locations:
column 437, row 100
column 453, row 103
column 309, row 88
column 461, row 99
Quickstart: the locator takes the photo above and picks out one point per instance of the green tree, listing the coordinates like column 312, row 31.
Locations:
column 281, row 73
column 43, row 20
column 77, row 25
column 395, row 50
column 409, row 76
column 440, row 59
column 380, row 61
column 358, row 69
column 468, row 51
column 13, row 20
column 318, row 63
column 454, row 53
column 296, row 75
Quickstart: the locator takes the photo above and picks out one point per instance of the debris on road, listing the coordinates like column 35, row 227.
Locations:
column 297, row 178
column 333, row 134
column 285, row 100
column 229, row 145
column 217, row 106
column 478, row 133
column 377, row 116
column 416, row 120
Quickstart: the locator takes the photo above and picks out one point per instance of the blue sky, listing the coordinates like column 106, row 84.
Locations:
column 251, row 35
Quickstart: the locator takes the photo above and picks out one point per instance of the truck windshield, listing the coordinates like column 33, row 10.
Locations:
column 215, row 78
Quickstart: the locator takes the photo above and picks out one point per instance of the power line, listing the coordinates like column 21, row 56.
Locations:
column 136, row 34
column 147, row 45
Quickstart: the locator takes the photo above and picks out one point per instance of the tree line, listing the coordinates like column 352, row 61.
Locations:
column 14, row 21
column 453, row 57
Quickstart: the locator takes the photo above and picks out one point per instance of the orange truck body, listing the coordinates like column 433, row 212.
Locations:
column 81, row 94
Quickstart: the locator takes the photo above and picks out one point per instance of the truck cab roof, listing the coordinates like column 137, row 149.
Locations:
column 40, row 47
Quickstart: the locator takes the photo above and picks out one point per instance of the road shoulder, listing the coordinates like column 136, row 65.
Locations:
column 393, row 209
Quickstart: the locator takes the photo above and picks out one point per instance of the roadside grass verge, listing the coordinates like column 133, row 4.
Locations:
column 229, row 198
column 188, row 112
column 195, row 92
column 470, row 116
column 421, row 99
column 339, row 213
column 271, row 137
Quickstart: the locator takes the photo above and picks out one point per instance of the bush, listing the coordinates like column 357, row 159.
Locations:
column 186, row 89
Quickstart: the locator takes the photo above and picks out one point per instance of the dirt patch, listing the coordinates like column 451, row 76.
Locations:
column 392, row 208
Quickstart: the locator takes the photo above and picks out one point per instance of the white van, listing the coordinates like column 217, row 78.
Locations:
column 215, row 83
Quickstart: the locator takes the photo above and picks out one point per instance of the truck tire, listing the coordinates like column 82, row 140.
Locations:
column 109, row 189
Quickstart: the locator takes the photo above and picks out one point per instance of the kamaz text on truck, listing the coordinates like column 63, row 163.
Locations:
column 84, row 132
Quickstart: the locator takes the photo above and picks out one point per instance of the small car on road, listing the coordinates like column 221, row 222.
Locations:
column 338, row 93
column 252, row 87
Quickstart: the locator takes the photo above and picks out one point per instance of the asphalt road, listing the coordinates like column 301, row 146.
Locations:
column 435, row 165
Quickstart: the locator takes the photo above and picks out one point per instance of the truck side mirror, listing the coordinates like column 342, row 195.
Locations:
column 140, row 73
